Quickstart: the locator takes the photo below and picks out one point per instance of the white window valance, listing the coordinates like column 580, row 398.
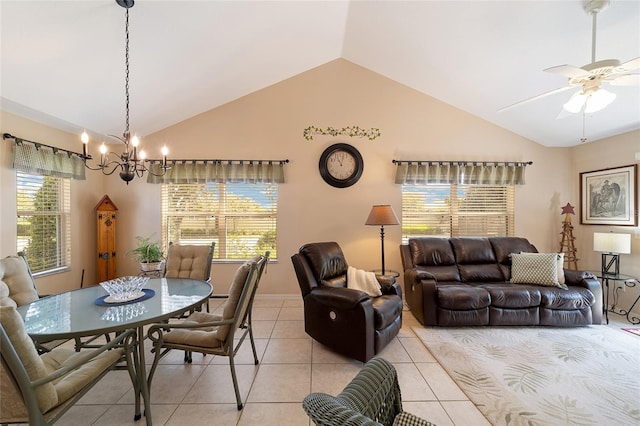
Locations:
column 460, row 172
column 40, row 159
column 222, row 171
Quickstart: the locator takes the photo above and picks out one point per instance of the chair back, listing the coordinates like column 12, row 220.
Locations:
column 16, row 281
column 241, row 294
column 372, row 397
column 21, row 365
column 189, row 261
column 320, row 264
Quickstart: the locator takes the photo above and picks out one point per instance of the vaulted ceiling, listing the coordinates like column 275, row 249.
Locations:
column 63, row 61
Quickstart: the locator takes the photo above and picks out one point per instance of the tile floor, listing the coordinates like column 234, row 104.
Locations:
column 292, row 365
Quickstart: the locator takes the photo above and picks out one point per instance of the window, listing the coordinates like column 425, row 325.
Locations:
column 240, row 217
column 457, row 210
column 44, row 221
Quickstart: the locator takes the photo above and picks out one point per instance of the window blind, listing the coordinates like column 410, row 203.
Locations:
column 44, row 221
column 240, row 217
column 457, row 210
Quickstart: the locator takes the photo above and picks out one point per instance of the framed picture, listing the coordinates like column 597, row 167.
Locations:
column 609, row 197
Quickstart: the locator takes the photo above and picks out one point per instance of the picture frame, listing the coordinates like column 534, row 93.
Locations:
column 609, row 196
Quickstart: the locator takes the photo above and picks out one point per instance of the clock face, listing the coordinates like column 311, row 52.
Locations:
column 341, row 165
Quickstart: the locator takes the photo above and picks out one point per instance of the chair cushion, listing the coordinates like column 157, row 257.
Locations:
column 16, row 281
column 72, row 382
column 14, row 326
column 202, row 337
column 187, row 261
column 213, row 337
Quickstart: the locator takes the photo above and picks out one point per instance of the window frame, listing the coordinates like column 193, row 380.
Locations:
column 25, row 184
column 453, row 212
column 224, row 216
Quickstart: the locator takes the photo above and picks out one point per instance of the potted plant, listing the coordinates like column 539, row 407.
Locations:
column 148, row 253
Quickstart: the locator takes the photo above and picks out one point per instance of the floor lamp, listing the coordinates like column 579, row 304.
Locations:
column 611, row 245
column 382, row 215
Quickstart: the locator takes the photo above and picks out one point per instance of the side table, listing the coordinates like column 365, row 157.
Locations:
column 627, row 281
column 388, row 273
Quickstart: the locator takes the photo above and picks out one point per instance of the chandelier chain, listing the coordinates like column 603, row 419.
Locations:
column 126, row 80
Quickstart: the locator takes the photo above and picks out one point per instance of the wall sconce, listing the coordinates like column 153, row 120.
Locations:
column 611, row 245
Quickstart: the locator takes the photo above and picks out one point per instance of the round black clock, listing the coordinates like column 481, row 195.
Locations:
column 341, row 165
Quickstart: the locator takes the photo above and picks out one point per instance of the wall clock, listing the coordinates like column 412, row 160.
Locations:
column 341, row 165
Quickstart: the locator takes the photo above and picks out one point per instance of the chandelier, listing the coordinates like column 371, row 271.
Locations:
column 131, row 162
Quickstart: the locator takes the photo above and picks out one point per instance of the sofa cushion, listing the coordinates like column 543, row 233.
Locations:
column 535, row 268
column 462, row 297
column 558, row 299
column 435, row 256
column 514, row 297
column 504, row 246
column 476, row 260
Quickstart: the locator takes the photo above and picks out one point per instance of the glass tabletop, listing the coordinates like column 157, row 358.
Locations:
column 75, row 313
column 615, row 277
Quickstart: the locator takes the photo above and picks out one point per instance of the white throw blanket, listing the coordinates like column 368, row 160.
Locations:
column 359, row 279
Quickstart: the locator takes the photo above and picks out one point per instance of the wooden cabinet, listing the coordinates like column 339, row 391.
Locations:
column 106, row 216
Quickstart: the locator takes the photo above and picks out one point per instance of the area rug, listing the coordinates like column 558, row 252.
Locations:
column 541, row 375
column 635, row 331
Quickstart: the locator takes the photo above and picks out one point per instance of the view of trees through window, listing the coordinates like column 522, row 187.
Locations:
column 43, row 222
column 457, row 210
column 240, row 217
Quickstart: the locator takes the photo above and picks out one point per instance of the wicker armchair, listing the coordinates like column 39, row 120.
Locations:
column 371, row 398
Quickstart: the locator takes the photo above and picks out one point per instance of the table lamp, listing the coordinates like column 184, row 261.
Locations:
column 611, row 245
column 382, row 215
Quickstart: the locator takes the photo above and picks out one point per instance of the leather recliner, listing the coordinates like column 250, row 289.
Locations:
column 348, row 321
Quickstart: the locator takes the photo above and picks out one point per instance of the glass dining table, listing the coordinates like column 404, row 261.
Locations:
column 82, row 312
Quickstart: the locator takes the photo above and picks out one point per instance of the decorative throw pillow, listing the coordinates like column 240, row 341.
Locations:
column 561, row 268
column 535, row 268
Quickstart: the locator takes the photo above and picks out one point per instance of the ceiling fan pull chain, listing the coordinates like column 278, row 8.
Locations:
column 583, row 139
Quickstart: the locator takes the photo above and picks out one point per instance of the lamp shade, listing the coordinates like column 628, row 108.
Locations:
column 608, row 242
column 382, row 215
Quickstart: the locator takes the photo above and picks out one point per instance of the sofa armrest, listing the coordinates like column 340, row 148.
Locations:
column 589, row 281
column 575, row 277
column 420, row 293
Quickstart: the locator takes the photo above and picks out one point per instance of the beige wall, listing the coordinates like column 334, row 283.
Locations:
column 85, row 195
column 268, row 124
column 607, row 153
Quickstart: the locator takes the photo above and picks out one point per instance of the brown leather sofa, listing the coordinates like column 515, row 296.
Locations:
column 466, row 282
column 348, row 321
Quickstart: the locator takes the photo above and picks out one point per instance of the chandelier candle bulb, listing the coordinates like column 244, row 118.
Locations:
column 103, row 152
column 165, row 151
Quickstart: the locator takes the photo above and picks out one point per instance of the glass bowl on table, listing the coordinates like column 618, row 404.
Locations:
column 124, row 289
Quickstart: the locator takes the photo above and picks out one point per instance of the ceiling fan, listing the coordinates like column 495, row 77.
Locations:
column 591, row 77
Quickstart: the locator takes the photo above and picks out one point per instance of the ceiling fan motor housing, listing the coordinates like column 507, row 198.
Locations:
column 595, row 6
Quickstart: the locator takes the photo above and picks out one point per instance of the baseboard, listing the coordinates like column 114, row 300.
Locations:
column 279, row 296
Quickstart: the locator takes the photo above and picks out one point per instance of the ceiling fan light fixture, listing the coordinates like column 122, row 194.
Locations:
column 598, row 100
column 576, row 102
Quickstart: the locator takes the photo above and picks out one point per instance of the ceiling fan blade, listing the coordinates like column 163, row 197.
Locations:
column 626, row 80
column 631, row 65
column 568, row 71
column 559, row 90
column 563, row 114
